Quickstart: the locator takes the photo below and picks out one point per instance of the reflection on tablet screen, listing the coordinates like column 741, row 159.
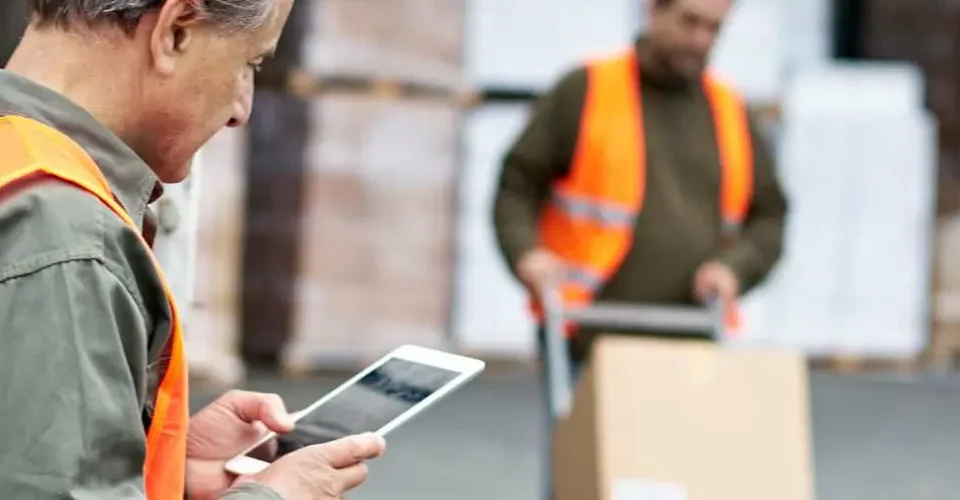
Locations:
column 374, row 401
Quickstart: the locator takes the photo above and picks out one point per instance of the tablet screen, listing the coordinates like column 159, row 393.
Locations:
column 375, row 400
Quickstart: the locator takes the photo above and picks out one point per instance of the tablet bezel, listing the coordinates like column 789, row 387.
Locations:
column 467, row 368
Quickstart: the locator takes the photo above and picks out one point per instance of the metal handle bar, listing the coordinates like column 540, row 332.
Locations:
column 675, row 319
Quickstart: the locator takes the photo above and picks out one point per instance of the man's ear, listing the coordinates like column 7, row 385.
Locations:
column 172, row 33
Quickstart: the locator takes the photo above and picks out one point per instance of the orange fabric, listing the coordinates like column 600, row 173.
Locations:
column 590, row 221
column 736, row 152
column 29, row 149
column 604, row 171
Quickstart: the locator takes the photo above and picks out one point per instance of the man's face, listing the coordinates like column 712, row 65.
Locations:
column 199, row 79
column 683, row 32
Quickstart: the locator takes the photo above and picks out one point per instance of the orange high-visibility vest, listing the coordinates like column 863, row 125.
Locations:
column 590, row 219
column 31, row 150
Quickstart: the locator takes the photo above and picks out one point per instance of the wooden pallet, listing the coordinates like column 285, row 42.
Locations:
column 306, row 85
column 851, row 364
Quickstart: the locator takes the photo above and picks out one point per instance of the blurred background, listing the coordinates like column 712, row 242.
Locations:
column 353, row 215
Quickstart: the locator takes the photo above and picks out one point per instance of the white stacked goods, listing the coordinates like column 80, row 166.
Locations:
column 529, row 44
column 199, row 247
column 858, row 161
column 751, row 48
column 490, row 312
column 175, row 242
column 806, row 31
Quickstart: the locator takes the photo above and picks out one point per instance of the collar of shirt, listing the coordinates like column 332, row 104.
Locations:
column 132, row 181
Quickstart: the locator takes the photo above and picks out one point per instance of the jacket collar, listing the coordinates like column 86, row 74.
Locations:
column 132, row 181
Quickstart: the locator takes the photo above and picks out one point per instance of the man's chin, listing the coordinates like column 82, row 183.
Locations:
column 174, row 173
column 692, row 70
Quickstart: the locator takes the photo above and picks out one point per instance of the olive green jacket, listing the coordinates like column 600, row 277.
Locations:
column 83, row 320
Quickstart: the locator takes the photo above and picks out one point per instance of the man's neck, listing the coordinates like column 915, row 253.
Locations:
column 79, row 68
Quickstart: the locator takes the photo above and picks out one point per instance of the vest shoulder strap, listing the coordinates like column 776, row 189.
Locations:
column 735, row 148
column 29, row 147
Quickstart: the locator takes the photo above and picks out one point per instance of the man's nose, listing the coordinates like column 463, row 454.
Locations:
column 242, row 107
column 704, row 37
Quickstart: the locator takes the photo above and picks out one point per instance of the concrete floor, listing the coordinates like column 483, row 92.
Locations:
column 875, row 438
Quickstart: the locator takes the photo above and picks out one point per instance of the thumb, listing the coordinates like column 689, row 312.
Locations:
column 267, row 408
column 350, row 450
column 704, row 288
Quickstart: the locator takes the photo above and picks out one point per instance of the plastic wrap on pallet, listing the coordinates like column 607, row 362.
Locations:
column 529, row 44
column 378, row 226
column 859, row 167
column 751, row 48
column 490, row 313
column 213, row 328
column 175, row 242
column 806, row 31
column 417, row 41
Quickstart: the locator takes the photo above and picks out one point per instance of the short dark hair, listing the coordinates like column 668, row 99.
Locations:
column 241, row 14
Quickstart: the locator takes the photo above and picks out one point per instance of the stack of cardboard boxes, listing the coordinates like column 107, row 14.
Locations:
column 376, row 239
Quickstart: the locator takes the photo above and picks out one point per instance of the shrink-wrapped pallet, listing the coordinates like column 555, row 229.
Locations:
column 417, row 41
column 858, row 162
column 528, row 44
column 213, row 325
column 376, row 239
column 491, row 316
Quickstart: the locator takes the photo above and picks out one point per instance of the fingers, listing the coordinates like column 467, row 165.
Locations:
column 353, row 475
column 350, row 451
column 326, row 470
column 259, row 407
column 715, row 281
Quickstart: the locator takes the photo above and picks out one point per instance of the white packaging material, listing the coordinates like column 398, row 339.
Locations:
column 490, row 312
column 210, row 249
column 870, row 89
column 854, row 277
column 750, row 50
column 529, row 44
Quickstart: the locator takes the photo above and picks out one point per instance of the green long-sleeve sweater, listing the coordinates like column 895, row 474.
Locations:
column 678, row 228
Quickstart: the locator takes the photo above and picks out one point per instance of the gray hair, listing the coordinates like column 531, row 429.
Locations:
column 230, row 14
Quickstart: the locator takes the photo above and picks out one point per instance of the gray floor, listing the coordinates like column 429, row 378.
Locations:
column 876, row 438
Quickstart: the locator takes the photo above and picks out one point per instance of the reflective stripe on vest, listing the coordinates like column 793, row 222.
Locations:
column 29, row 149
column 590, row 220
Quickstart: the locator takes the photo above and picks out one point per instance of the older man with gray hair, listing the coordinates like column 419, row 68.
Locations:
column 101, row 101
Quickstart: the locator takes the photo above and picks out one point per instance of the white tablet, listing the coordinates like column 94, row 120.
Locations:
column 379, row 399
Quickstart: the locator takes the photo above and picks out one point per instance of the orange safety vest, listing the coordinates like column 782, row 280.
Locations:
column 590, row 220
column 31, row 150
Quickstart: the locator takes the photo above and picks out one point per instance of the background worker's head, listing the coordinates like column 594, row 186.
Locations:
column 165, row 75
column 682, row 33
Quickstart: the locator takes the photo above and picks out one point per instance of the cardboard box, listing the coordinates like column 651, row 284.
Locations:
column 662, row 420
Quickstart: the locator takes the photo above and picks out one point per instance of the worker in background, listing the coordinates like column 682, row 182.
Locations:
column 101, row 101
column 640, row 178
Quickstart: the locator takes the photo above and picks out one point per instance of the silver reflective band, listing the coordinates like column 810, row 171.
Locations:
column 730, row 227
column 585, row 278
column 603, row 213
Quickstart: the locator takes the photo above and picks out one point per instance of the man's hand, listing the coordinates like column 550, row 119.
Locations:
column 220, row 431
column 324, row 471
column 716, row 280
column 540, row 268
